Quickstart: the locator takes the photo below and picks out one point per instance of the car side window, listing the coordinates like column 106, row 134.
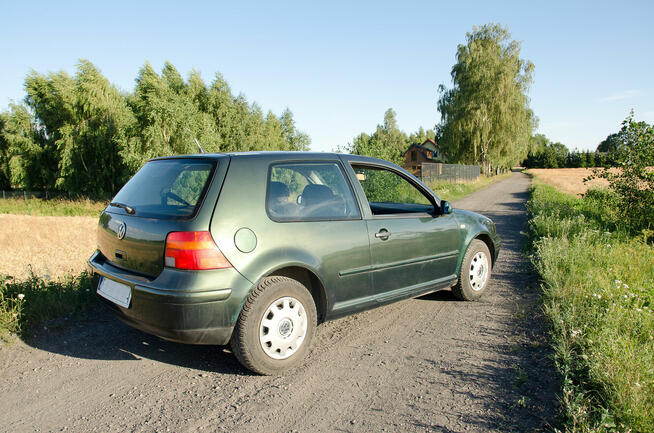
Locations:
column 389, row 193
column 309, row 192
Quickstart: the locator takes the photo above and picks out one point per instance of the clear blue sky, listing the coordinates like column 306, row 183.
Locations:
column 339, row 65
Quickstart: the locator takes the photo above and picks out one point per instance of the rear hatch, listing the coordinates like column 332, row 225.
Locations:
column 165, row 195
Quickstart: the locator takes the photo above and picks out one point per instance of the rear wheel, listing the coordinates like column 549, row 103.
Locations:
column 275, row 328
column 475, row 272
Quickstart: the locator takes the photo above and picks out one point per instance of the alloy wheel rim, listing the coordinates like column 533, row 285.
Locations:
column 283, row 328
column 478, row 271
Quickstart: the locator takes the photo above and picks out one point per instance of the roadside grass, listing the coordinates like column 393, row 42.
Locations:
column 52, row 207
column 598, row 293
column 27, row 303
column 451, row 191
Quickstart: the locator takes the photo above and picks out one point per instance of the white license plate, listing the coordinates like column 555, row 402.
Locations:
column 118, row 293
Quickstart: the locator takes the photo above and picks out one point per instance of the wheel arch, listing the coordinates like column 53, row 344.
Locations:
column 308, row 279
column 485, row 237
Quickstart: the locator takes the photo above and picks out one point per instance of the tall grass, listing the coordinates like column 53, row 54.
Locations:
column 26, row 303
column 52, row 207
column 598, row 293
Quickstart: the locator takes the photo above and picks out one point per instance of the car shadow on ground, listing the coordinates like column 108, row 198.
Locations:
column 101, row 336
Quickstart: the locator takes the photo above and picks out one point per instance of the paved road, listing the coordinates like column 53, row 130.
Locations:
column 425, row 364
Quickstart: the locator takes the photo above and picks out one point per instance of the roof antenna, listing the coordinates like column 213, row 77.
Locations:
column 196, row 141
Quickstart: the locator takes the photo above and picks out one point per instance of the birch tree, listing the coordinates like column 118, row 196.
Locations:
column 485, row 116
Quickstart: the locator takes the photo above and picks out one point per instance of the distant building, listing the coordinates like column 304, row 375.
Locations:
column 416, row 154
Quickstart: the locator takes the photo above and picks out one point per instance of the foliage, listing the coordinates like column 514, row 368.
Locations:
column 485, row 116
column 388, row 142
column 24, row 304
column 384, row 186
column 633, row 183
column 84, row 124
column 598, row 293
column 545, row 154
column 79, row 135
column 609, row 144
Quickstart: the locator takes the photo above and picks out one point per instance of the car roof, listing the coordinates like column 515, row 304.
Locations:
column 281, row 155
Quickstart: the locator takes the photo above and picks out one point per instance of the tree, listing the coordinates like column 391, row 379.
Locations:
column 84, row 125
column 387, row 142
column 485, row 116
column 633, row 183
column 421, row 135
column 609, row 144
column 79, row 135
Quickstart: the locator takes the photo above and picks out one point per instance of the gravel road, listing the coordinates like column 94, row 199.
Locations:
column 425, row 364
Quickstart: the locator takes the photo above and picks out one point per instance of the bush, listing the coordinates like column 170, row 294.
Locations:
column 26, row 303
column 633, row 183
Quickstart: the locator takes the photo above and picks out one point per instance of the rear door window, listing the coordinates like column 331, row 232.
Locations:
column 309, row 192
column 166, row 189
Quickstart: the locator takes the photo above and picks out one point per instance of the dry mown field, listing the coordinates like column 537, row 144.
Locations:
column 568, row 180
column 50, row 245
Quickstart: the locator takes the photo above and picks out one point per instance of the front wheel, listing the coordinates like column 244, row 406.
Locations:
column 275, row 328
column 475, row 272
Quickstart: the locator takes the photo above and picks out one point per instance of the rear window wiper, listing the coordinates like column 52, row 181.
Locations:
column 130, row 210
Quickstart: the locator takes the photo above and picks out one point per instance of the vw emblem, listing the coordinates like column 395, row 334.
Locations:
column 122, row 228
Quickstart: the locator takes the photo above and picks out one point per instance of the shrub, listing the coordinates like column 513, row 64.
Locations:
column 633, row 183
column 26, row 303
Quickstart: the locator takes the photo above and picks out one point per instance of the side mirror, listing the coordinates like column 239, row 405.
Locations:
column 298, row 200
column 446, row 207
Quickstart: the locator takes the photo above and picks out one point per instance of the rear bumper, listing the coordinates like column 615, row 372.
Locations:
column 197, row 307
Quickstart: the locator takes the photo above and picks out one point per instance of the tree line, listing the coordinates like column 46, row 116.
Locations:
column 485, row 115
column 80, row 135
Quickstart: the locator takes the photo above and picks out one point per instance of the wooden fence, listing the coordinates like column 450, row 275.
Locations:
column 431, row 172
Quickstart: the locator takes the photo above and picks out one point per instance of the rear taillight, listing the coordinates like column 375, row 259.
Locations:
column 193, row 250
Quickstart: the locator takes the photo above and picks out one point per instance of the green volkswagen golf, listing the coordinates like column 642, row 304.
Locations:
column 256, row 249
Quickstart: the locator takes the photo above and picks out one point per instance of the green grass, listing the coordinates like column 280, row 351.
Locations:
column 598, row 293
column 25, row 304
column 52, row 207
column 454, row 191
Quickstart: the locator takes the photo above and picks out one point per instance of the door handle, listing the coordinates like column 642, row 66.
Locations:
column 383, row 234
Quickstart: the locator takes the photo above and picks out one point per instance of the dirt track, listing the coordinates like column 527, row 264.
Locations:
column 425, row 364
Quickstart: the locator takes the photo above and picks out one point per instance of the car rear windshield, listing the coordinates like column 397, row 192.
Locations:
column 165, row 189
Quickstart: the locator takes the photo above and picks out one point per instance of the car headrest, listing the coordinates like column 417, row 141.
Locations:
column 278, row 192
column 316, row 194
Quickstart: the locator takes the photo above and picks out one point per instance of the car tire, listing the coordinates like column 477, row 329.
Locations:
column 475, row 272
column 274, row 330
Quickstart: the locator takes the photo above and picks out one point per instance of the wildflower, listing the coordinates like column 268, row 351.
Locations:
column 639, row 310
column 575, row 332
column 637, row 384
column 618, row 282
column 625, row 286
column 21, row 296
